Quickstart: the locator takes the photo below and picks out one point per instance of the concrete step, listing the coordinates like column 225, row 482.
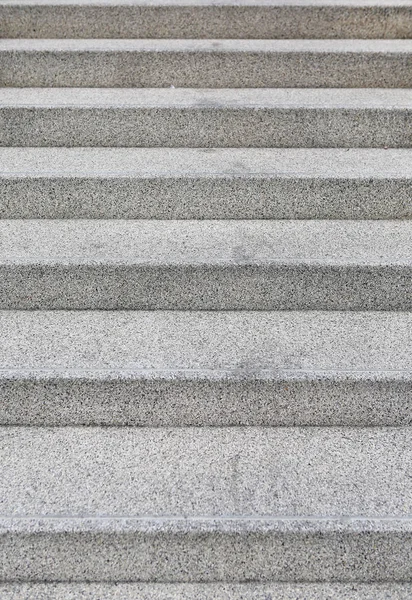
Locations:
column 206, row 118
column 206, row 505
column 205, row 19
column 205, row 368
column 190, row 183
column 205, row 591
column 206, row 63
column 206, row 265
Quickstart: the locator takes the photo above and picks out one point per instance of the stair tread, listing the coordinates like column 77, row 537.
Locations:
column 212, row 591
column 205, row 343
column 282, row 163
column 384, row 99
column 283, row 474
column 351, row 46
column 231, row 243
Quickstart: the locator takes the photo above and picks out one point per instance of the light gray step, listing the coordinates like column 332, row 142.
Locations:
column 206, row 63
column 206, row 118
column 206, row 505
column 205, row 368
column 205, row 19
column 206, row 265
column 206, row 591
column 190, row 183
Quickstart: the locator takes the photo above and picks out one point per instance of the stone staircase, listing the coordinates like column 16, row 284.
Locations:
column 206, row 299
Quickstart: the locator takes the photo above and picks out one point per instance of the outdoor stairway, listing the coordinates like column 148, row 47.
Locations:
column 206, row 299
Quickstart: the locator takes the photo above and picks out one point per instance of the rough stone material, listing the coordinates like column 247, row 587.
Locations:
column 206, row 550
column 206, row 118
column 217, row 591
column 190, row 183
column 206, row 63
column 177, row 368
column 185, row 341
column 232, row 473
column 206, row 504
column 235, row 453
column 206, row 265
column 205, row 19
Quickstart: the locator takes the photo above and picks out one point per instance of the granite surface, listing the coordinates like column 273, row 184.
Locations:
column 206, row 118
column 205, row 19
column 191, row 183
column 206, row 265
column 197, row 505
column 178, row 369
column 218, row 591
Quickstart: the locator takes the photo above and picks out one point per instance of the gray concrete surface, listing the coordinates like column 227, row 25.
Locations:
column 206, row 63
column 205, row 118
column 204, row 19
column 206, row 265
column 178, row 369
column 206, row 504
column 190, row 183
column 217, row 591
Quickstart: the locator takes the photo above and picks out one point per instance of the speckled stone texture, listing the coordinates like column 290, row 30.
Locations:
column 218, row 591
column 211, row 183
column 206, row 265
column 202, row 550
column 202, row 19
column 206, row 118
column 199, row 368
column 183, row 411
column 206, row 63
column 208, row 505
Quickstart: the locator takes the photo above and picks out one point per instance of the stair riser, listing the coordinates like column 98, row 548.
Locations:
column 162, row 401
column 260, row 22
column 32, row 197
column 202, row 556
column 205, row 69
column 206, row 127
column 206, row 287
